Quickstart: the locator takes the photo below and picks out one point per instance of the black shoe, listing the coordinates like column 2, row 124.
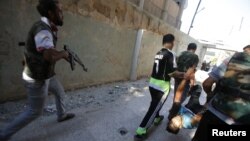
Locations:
column 140, row 137
column 158, row 120
column 66, row 117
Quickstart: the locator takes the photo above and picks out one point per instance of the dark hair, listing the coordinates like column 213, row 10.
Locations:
column 192, row 46
column 44, row 6
column 248, row 46
column 168, row 38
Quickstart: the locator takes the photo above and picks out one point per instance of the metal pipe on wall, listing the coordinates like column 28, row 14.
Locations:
column 141, row 4
column 133, row 71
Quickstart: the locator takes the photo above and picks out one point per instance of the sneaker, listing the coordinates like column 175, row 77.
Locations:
column 158, row 120
column 65, row 117
column 140, row 137
column 141, row 134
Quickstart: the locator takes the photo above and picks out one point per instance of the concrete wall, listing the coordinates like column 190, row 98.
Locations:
column 152, row 43
column 105, row 50
column 167, row 10
column 102, row 32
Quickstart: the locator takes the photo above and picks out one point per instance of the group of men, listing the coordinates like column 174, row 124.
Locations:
column 229, row 103
column 166, row 66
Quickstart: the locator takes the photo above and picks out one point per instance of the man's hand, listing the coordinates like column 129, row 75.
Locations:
column 207, row 87
column 192, row 82
column 65, row 55
column 196, row 119
column 190, row 74
column 177, row 74
column 174, row 110
column 207, row 84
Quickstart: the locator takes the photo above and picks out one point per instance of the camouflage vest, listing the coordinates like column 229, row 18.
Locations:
column 233, row 94
column 36, row 66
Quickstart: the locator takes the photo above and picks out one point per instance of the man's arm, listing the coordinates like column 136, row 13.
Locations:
column 177, row 74
column 44, row 44
column 214, row 76
column 188, row 75
column 207, row 84
column 52, row 55
column 207, row 87
column 178, row 95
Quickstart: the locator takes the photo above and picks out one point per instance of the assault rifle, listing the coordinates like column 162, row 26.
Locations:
column 74, row 58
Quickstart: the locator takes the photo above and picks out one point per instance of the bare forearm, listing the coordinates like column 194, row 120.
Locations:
column 192, row 82
column 179, row 91
column 59, row 55
column 207, row 86
column 177, row 74
column 189, row 75
column 53, row 55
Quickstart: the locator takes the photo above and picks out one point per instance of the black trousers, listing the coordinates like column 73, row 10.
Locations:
column 201, row 133
column 158, row 99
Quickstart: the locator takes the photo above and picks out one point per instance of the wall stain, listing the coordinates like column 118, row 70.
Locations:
column 5, row 43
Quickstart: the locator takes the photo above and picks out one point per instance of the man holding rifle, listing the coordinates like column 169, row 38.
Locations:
column 41, row 56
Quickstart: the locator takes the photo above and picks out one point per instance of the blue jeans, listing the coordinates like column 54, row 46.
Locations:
column 37, row 93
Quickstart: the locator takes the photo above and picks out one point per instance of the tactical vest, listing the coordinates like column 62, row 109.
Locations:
column 232, row 97
column 36, row 66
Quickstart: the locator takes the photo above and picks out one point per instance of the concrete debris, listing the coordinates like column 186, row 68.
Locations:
column 95, row 96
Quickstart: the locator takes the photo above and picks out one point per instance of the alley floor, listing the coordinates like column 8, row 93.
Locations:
column 109, row 112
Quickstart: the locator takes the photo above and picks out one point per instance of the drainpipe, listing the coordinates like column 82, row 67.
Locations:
column 141, row 5
column 180, row 12
column 133, row 71
column 165, row 11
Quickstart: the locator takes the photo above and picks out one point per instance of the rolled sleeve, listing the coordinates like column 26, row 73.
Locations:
column 43, row 40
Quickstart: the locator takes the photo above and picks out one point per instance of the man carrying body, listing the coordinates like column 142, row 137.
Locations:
column 186, row 60
column 159, row 85
column 38, row 74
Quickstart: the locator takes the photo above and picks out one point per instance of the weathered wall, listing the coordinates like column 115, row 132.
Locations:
column 167, row 10
column 102, row 32
column 105, row 50
column 152, row 43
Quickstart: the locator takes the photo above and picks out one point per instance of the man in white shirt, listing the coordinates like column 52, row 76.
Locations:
column 38, row 74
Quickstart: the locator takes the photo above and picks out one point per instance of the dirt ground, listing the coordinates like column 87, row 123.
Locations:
column 95, row 96
column 124, row 102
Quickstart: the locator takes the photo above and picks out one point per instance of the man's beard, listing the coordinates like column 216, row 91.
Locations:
column 59, row 22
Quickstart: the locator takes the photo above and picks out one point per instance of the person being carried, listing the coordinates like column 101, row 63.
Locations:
column 187, row 116
column 159, row 84
column 186, row 60
column 40, row 58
